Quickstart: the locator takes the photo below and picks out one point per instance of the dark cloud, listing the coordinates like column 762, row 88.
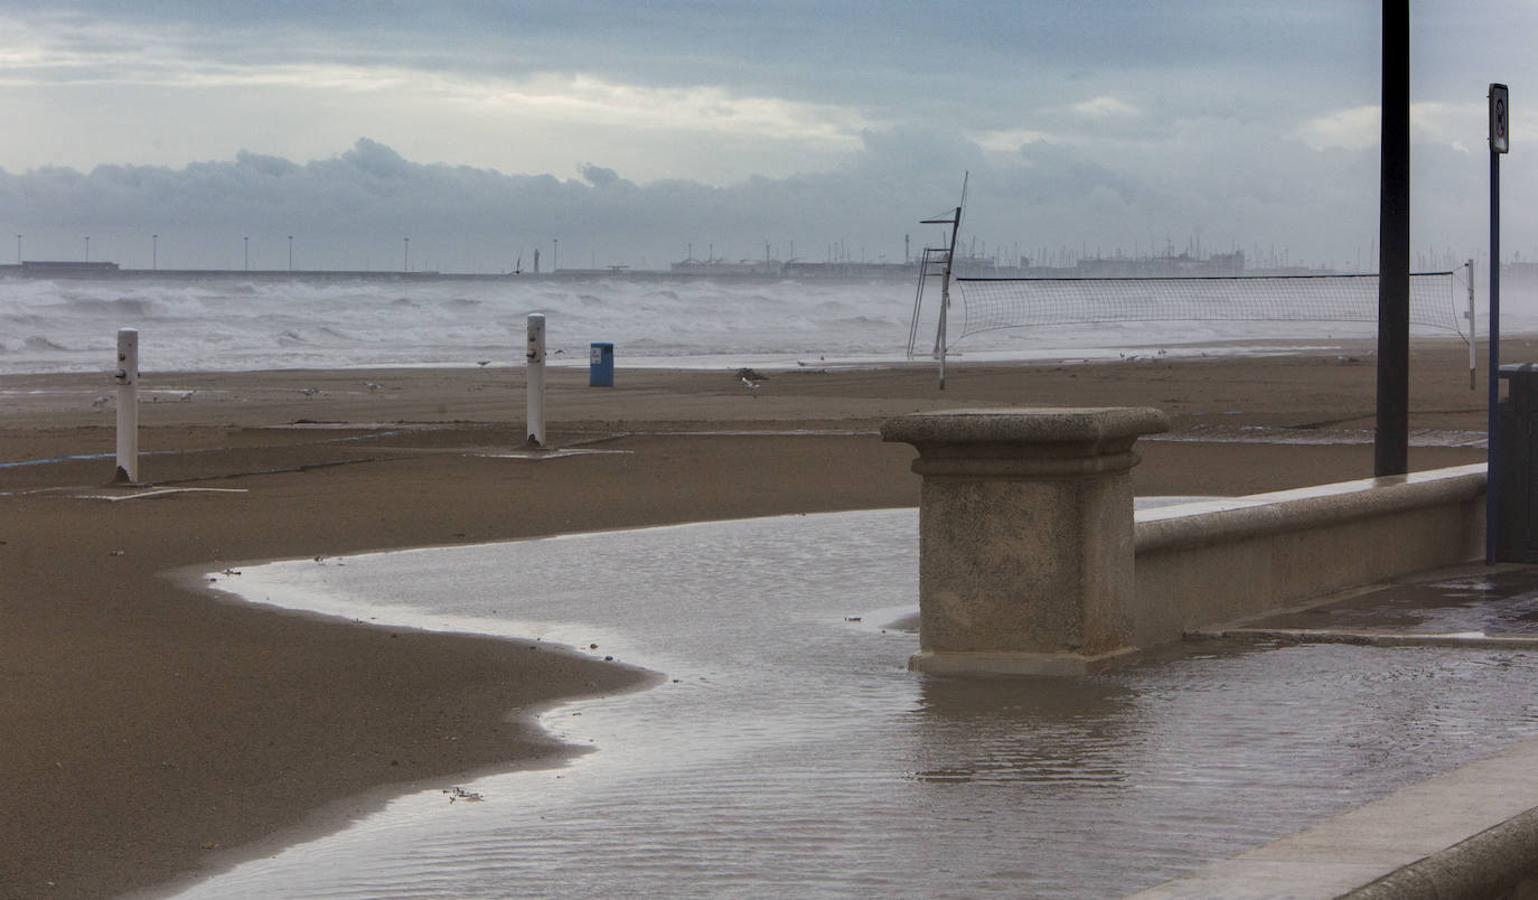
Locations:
column 600, row 177
column 354, row 209
column 975, row 64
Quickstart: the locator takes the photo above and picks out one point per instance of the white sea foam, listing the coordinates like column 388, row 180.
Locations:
column 233, row 325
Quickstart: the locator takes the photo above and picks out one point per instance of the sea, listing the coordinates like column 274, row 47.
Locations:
column 258, row 324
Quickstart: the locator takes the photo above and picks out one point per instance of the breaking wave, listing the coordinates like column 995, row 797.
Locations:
column 208, row 325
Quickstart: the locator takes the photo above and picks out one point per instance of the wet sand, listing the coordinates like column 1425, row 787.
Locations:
column 148, row 731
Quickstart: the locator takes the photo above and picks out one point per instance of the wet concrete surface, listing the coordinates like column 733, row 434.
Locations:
column 789, row 752
column 1472, row 602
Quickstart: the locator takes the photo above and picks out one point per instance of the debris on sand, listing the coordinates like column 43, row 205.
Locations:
column 458, row 793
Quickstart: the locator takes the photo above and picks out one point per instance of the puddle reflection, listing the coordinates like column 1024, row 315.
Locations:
column 1025, row 730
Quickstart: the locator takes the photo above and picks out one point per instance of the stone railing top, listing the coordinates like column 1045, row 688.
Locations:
column 1031, row 425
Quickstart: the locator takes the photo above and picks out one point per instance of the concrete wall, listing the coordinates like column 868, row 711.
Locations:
column 1031, row 560
column 1207, row 563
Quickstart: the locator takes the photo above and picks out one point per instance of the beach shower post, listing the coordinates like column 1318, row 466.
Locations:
column 536, row 381
column 127, row 380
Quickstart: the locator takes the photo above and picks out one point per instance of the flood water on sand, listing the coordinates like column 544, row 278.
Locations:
column 790, row 752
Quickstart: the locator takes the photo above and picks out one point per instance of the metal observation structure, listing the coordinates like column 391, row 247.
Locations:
column 938, row 262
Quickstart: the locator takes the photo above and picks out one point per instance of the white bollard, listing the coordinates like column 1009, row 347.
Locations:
column 127, row 379
column 536, row 380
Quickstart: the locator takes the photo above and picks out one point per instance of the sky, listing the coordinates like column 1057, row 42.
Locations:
column 632, row 132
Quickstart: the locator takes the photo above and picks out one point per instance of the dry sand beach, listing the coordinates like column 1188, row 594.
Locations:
column 151, row 733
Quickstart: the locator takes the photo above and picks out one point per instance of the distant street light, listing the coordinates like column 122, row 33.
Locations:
column 18, row 249
column 291, row 253
column 247, row 241
column 406, row 254
column 555, row 257
column 154, row 252
column 88, row 248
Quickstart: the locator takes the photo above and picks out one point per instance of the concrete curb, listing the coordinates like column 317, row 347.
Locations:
column 1497, row 862
column 1368, row 638
column 1306, row 508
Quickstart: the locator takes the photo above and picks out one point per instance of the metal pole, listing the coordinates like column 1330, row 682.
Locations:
column 1493, row 441
column 291, row 253
column 1473, row 335
column 406, row 254
column 536, row 381
column 154, row 252
column 127, row 380
column 945, row 293
column 1392, row 441
column 945, row 303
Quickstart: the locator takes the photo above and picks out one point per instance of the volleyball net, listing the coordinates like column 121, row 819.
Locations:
column 992, row 304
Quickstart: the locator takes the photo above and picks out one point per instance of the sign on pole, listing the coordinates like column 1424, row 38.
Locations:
column 1500, row 131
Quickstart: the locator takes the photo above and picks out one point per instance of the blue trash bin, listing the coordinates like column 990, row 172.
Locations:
column 600, row 365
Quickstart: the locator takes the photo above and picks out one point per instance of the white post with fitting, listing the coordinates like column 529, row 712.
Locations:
column 536, row 381
column 127, row 380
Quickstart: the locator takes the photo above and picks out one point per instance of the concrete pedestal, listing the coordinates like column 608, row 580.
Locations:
column 1025, row 536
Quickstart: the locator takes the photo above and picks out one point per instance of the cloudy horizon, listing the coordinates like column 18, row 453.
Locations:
column 484, row 130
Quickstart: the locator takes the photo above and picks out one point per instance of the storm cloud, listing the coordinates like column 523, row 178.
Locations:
column 629, row 133
column 353, row 210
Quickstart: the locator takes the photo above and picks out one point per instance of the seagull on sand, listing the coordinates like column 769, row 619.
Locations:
column 750, row 385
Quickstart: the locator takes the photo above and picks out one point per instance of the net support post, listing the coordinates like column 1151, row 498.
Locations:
column 127, row 381
column 535, row 381
column 1025, row 537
